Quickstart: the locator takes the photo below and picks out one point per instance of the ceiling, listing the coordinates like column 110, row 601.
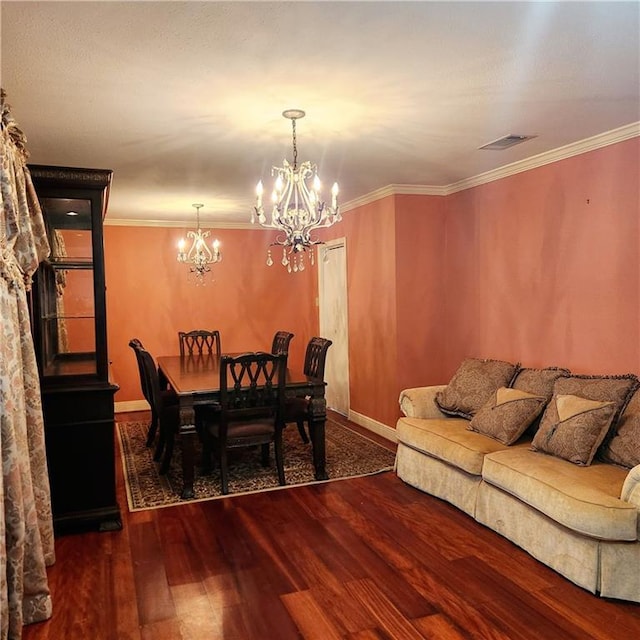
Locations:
column 183, row 100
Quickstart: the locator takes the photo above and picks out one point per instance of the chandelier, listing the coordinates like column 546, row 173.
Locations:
column 199, row 256
column 298, row 209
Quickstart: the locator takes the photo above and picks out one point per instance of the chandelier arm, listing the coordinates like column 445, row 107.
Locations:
column 199, row 253
column 312, row 207
column 284, row 217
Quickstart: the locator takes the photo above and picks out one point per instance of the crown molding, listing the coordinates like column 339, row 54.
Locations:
column 393, row 190
column 561, row 153
column 182, row 224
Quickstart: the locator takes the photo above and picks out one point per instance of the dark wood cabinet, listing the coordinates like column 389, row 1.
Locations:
column 68, row 315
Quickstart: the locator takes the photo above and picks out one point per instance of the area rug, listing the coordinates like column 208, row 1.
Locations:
column 348, row 454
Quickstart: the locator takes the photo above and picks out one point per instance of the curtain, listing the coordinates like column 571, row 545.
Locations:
column 26, row 528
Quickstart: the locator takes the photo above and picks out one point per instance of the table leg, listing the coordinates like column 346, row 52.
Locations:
column 187, row 442
column 317, row 418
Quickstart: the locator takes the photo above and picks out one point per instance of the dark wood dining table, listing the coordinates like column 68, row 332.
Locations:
column 196, row 381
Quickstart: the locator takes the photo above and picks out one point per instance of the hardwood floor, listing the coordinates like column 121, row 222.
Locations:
column 360, row 559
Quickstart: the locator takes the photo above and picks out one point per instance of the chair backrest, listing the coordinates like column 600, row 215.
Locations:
column 152, row 380
column 281, row 341
column 315, row 357
column 252, row 385
column 199, row 342
column 137, row 347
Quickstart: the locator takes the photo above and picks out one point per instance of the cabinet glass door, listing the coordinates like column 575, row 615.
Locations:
column 67, row 299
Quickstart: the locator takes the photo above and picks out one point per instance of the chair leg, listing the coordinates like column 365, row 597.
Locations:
column 224, row 476
column 166, row 461
column 302, row 432
column 153, row 427
column 206, row 454
column 167, row 435
column 279, row 458
column 157, row 455
column 264, row 455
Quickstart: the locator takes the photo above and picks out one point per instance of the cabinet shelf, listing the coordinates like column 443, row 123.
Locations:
column 68, row 317
column 71, row 263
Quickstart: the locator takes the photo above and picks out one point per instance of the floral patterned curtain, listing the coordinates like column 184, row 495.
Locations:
column 26, row 529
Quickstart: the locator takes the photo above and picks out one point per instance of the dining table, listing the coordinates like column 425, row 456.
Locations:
column 195, row 379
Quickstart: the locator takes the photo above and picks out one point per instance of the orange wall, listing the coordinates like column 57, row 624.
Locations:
column 421, row 291
column 395, row 264
column 522, row 268
column 149, row 296
column 544, row 266
column 371, row 288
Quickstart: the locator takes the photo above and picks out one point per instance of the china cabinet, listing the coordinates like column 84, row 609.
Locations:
column 68, row 314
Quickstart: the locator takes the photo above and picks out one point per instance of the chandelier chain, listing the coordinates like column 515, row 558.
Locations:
column 295, row 146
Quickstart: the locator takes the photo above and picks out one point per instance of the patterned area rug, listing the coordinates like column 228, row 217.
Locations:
column 348, row 454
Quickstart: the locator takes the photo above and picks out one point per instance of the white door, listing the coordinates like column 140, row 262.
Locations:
column 332, row 290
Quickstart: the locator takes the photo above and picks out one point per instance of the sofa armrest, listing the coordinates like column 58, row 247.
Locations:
column 419, row 402
column 631, row 487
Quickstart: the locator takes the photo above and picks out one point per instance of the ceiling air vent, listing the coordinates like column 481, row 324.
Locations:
column 506, row 142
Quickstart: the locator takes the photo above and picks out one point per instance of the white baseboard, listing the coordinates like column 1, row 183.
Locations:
column 373, row 425
column 132, row 405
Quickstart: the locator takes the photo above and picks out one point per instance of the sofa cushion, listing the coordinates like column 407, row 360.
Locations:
column 623, row 447
column 584, row 499
column 539, row 382
column 573, row 427
column 507, row 414
column 447, row 439
column 472, row 385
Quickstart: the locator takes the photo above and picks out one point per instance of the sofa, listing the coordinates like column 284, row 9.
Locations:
column 546, row 458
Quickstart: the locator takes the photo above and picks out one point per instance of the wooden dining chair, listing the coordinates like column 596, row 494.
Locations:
column 281, row 341
column 137, row 347
column 251, row 407
column 199, row 342
column 297, row 409
column 165, row 408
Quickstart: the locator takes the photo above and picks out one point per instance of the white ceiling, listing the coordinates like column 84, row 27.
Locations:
column 183, row 100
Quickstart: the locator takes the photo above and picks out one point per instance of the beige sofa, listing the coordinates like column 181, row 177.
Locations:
column 582, row 521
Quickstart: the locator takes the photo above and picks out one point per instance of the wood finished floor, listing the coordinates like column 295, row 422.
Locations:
column 361, row 559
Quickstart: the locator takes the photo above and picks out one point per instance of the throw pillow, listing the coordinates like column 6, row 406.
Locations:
column 472, row 385
column 623, row 447
column 539, row 382
column 573, row 427
column 616, row 389
column 507, row 414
